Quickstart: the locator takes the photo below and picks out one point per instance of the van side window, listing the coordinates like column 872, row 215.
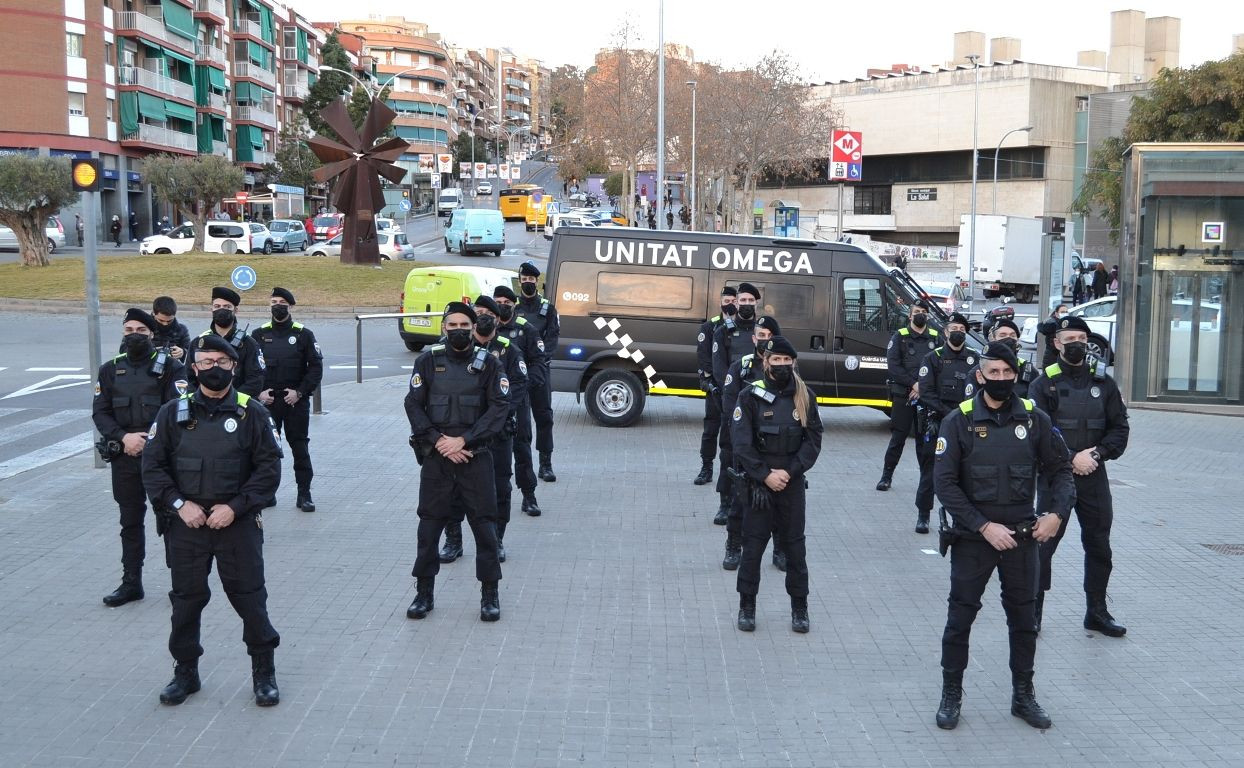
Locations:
column 865, row 304
column 639, row 290
column 794, row 305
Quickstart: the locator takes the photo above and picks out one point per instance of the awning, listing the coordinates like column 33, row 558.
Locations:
column 300, row 39
column 216, row 78
column 129, row 112
column 178, row 19
column 179, row 111
column 170, row 53
column 151, row 107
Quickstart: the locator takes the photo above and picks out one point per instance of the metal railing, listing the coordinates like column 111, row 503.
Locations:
column 214, row 7
column 152, row 23
column 156, row 81
column 358, row 335
column 217, row 101
column 248, row 27
column 255, row 115
column 212, row 53
column 262, row 157
column 154, row 134
column 255, row 72
column 297, row 90
column 221, row 148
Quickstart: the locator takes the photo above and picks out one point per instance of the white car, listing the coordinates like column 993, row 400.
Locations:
column 951, row 297
column 1100, row 315
column 484, row 188
column 222, row 237
column 448, row 200
column 327, row 248
column 556, row 220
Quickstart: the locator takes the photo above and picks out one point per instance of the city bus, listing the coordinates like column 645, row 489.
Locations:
column 513, row 201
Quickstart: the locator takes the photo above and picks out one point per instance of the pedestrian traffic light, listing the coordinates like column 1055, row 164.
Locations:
column 85, row 175
column 406, row 193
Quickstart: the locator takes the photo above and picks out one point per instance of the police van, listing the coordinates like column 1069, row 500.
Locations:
column 631, row 302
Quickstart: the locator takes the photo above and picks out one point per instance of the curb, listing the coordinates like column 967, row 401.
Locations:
column 67, row 307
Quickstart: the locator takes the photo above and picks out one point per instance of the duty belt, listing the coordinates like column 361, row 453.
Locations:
column 948, row 534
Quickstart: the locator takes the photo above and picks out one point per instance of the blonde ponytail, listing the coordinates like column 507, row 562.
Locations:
column 802, row 397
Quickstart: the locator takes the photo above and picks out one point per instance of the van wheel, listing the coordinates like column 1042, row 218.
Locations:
column 1099, row 348
column 447, row 248
column 615, row 397
column 229, row 247
column 462, row 251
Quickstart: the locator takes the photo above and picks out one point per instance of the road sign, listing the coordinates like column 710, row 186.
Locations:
column 435, row 181
column 241, row 197
column 846, row 161
column 243, row 278
column 405, row 204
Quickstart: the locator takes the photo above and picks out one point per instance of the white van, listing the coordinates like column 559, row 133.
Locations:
column 449, row 201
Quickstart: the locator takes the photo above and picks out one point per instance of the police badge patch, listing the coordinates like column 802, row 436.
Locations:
column 714, row 347
column 968, row 389
column 262, row 363
column 729, row 378
column 540, row 344
column 1021, row 431
column 1095, row 391
column 293, row 340
column 971, row 360
column 941, row 446
column 181, row 385
column 700, row 337
column 98, row 390
column 924, row 370
column 522, row 366
column 505, row 385
column 231, row 425
column 738, row 413
column 416, row 381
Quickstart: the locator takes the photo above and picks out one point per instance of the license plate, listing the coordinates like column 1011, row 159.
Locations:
column 426, row 322
column 475, row 239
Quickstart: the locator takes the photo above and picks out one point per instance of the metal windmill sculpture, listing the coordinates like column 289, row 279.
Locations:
column 358, row 166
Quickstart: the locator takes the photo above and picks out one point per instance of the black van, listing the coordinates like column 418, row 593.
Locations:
column 631, row 302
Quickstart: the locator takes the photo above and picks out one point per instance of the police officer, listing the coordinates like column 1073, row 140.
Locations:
column 541, row 316
column 457, row 404
column 744, row 372
column 213, row 458
column 731, row 341
column 293, row 370
column 129, row 390
column 990, row 452
column 776, row 434
column 711, row 387
column 904, row 354
column 169, row 331
column 1006, row 331
column 514, row 368
column 944, row 383
column 522, row 336
column 1086, row 406
column 249, row 374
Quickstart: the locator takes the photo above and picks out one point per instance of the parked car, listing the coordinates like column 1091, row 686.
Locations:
column 394, row 245
column 484, row 188
column 952, row 297
column 54, row 230
column 287, row 235
column 261, row 238
column 221, row 237
column 475, row 230
column 328, row 248
column 568, row 220
column 449, row 200
column 1100, row 315
column 384, row 224
column 327, row 226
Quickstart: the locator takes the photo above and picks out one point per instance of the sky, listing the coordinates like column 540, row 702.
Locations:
column 825, row 39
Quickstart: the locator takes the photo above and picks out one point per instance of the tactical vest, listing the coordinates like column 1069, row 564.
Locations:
column 952, row 381
column 536, row 316
column 212, row 460
column 283, row 358
column 738, row 343
column 136, row 393
column 777, row 430
column 915, row 347
column 456, row 397
column 1078, row 412
column 514, row 329
column 1000, row 464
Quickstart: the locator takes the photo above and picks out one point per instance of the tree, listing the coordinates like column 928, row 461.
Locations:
column 329, row 86
column 462, row 149
column 31, row 190
column 193, row 185
column 613, row 185
column 294, row 162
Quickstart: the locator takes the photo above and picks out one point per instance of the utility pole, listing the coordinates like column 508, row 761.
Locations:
column 660, row 185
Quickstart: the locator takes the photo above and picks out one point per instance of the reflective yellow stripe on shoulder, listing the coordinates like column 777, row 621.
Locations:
column 904, row 331
column 1053, row 370
column 1028, row 404
column 966, row 406
column 243, row 399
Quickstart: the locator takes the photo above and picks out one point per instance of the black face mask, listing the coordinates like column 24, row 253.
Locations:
column 216, row 378
column 760, row 349
column 137, row 346
column 486, row 325
column 222, row 318
column 1074, row 352
column 781, row 374
column 957, row 338
column 999, row 389
column 459, row 339
column 747, row 311
column 528, row 289
column 1012, row 343
column 280, row 312
column 918, row 320
column 729, row 310
column 505, row 311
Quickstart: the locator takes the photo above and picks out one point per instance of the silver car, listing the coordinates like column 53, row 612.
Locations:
column 287, row 235
column 327, row 248
column 54, row 230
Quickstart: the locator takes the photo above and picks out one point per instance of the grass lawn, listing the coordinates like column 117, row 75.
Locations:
column 315, row 281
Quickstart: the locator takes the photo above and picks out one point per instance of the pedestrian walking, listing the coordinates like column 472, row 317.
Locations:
column 114, row 229
column 1113, row 288
column 1100, row 281
column 904, row 354
column 541, row 317
column 133, row 227
column 80, row 229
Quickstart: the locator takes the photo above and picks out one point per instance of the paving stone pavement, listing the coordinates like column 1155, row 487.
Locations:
column 617, row 644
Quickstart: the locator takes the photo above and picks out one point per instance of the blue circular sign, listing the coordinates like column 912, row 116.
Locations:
column 243, row 278
column 404, row 205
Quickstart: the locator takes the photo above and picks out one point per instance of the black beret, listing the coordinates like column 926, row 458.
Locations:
column 528, row 269
column 955, row 317
column 458, row 307
column 778, row 345
column 922, row 304
column 1006, row 322
column 284, row 294
column 1070, row 323
column 729, row 291
column 486, row 302
column 228, row 294
column 769, row 323
column 504, row 292
column 749, row 288
column 999, row 351
column 134, row 313
column 210, row 342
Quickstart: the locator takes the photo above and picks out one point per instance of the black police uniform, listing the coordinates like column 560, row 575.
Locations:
column 986, row 470
column 1088, row 410
column 128, row 395
column 525, row 339
column 292, row 360
column 541, row 317
column 945, row 381
column 249, row 374
column 216, row 451
column 766, row 434
column 457, row 395
column 904, row 354
column 732, row 341
column 712, row 396
column 514, row 369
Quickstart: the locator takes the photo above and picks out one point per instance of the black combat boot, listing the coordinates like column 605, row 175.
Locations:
column 734, row 552
column 489, row 601
column 747, row 613
column 1024, row 701
column 1040, row 608
column 887, row 477
column 1099, row 619
column 530, row 507
column 799, row 621
column 922, row 521
column 304, row 500
column 952, row 700
column 723, row 510
column 422, row 605
column 501, row 542
column 779, row 558
column 263, row 679
column 185, row 682
column 546, row 468
column 453, row 543
column 706, row 474
column 131, row 588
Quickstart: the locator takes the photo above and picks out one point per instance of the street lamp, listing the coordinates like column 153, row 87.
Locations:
column 660, row 185
column 996, row 150
column 691, row 195
column 976, row 108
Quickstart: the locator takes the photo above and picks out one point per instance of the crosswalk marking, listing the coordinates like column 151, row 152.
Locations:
column 51, row 370
column 46, row 455
column 47, row 385
column 50, row 421
column 351, row 367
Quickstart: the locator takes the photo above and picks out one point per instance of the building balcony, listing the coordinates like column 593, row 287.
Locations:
column 260, row 157
column 215, row 101
column 247, row 26
column 221, row 149
column 289, row 53
column 152, row 25
column 156, row 82
column 254, row 72
column 163, row 137
column 213, row 54
column 297, row 91
column 313, row 61
column 518, row 99
column 255, row 114
column 212, row 7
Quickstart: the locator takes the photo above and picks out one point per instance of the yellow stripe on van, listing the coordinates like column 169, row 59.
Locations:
column 679, row 392
column 819, row 400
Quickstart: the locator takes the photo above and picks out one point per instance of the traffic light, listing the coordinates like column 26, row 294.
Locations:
column 85, row 175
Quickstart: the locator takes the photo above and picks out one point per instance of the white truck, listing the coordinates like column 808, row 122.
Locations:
column 1008, row 255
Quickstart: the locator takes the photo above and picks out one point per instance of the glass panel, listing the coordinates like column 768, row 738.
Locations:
column 639, row 290
column 861, row 305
